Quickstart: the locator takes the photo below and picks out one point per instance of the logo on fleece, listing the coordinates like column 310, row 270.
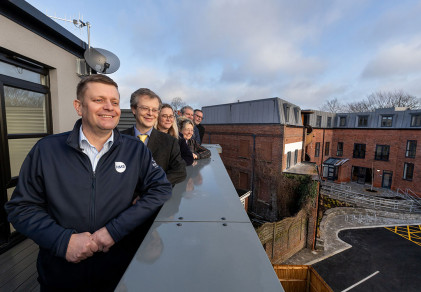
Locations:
column 120, row 167
column 154, row 164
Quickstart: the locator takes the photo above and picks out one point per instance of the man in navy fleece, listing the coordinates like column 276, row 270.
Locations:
column 75, row 195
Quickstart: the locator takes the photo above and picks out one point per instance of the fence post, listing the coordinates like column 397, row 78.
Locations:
column 273, row 239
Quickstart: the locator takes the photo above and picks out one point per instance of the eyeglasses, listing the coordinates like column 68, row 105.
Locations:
column 145, row 109
column 168, row 117
column 201, row 117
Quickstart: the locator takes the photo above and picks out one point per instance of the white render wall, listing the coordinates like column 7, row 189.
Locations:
column 63, row 78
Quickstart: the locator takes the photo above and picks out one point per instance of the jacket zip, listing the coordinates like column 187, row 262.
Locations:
column 92, row 211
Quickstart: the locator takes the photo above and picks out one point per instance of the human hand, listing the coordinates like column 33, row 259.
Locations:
column 135, row 200
column 80, row 247
column 194, row 163
column 103, row 239
column 195, row 156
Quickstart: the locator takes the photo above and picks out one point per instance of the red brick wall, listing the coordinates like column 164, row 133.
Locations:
column 239, row 162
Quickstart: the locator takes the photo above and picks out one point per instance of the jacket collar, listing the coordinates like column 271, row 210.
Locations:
column 73, row 139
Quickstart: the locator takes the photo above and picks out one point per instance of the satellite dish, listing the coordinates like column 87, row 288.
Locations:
column 102, row 60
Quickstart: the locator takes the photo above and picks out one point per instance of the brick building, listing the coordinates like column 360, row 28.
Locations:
column 259, row 139
column 263, row 138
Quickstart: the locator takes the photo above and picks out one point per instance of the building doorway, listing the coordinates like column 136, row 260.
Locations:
column 362, row 175
column 387, row 179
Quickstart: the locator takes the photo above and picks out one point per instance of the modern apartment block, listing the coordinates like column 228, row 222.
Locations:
column 380, row 148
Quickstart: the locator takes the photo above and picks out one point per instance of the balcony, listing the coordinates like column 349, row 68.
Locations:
column 202, row 240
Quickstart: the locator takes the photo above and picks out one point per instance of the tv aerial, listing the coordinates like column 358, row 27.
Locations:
column 99, row 60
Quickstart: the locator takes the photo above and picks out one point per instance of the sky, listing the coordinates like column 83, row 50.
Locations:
column 212, row 52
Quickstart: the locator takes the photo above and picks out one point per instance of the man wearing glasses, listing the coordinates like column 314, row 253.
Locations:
column 145, row 105
column 197, row 119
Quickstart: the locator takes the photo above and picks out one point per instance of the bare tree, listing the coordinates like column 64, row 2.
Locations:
column 397, row 98
column 23, row 98
column 332, row 106
column 376, row 100
column 358, row 107
column 384, row 99
column 177, row 103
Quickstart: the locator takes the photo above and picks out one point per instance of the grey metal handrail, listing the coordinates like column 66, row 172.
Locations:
column 362, row 200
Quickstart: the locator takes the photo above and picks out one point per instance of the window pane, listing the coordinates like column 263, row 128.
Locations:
column 18, row 149
column 24, row 74
column 25, row 111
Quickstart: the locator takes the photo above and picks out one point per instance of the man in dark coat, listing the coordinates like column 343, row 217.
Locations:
column 76, row 193
column 197, row 119
column 145, row 106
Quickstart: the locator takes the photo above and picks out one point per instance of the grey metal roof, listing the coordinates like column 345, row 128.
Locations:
column 262, row 111
column 401, row 118
column 201, row 240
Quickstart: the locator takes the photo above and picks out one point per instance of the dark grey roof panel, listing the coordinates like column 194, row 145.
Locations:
column 400, row 119
column 262, row 111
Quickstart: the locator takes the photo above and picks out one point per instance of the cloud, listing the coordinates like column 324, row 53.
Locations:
column 401, row 59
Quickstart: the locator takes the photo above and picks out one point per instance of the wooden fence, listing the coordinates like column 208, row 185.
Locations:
column 283, row 239
column 300, row 279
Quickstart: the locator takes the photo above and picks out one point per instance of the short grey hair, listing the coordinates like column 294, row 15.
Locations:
column 183, row 109
column 134, row 98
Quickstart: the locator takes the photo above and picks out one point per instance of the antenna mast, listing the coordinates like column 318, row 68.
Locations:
column 79, row 23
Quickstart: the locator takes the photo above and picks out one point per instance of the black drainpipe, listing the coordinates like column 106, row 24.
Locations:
column 253, row 163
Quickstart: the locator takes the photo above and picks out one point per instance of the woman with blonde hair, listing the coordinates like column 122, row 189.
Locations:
column 167, row 123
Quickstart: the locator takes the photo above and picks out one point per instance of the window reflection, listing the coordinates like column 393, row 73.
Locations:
column 24, row 74
column 25, row 111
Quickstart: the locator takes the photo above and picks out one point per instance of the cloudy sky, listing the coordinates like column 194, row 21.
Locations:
column 219, row 51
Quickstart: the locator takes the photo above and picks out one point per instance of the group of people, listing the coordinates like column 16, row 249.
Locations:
column 87, row 197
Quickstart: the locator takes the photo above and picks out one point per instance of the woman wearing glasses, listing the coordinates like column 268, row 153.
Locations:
column 186, row 132
column 166, row 123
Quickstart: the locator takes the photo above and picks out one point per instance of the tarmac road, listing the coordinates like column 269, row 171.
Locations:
column 387, row 262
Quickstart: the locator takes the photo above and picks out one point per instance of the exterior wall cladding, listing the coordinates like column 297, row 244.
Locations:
column 253, row 155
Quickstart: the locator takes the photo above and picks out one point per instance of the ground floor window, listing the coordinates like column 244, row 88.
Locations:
column 288, row 159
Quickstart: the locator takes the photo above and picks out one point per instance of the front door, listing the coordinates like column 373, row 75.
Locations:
column 362, row 171
column 387, row 179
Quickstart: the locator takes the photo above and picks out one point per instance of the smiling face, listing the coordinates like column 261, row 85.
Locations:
column 187, row 131
column 198, row 117
column 99, row 109
column 166, row 119
column 146, row 113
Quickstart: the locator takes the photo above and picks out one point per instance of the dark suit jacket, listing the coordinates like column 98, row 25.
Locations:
column 166, row 152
